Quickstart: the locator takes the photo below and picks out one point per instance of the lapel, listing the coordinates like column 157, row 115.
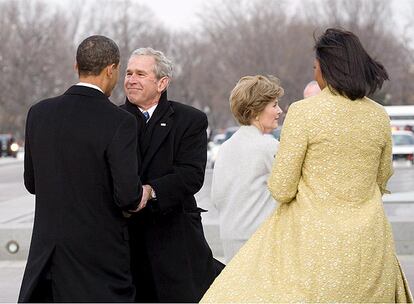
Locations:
column 157, row 129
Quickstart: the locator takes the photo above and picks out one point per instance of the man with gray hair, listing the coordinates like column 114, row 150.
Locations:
column 80, row 163
column 171, row 260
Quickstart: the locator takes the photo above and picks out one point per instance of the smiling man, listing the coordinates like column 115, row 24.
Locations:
column 171, row 260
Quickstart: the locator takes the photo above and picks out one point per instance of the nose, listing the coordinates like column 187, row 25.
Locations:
column 279, row 110
column 133, row 78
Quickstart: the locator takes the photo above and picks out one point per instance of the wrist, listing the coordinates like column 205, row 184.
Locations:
column 152, row 195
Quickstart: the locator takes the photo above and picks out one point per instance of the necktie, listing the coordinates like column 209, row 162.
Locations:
column 146, row 115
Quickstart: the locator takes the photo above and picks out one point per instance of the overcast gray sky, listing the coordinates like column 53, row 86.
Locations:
column 182, row 14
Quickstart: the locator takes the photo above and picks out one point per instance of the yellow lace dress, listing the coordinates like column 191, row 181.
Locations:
column 329, row 241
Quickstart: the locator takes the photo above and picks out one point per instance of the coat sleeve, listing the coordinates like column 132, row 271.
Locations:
column 187, row 176
column 385, row 169
column 287, row 167
column 123, row 164
column 28, row 175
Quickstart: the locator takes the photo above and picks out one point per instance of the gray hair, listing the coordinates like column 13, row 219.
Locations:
column 163, row 65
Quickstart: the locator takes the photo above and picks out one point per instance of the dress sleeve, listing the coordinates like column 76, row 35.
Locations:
column 385, row 169
column 287, row 167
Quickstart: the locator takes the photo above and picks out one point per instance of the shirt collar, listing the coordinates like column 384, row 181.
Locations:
column 89, row 85
column 150, row 110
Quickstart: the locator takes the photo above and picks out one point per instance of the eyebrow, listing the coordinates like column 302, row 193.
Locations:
column 136, row 70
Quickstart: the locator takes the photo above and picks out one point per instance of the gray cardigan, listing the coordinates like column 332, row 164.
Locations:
column 239, row 189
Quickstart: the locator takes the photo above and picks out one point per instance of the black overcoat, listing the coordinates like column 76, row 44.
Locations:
column 171, row 260
column 80, row 162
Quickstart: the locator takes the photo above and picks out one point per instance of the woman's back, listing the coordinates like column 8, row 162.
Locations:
column 345, row 142
column 239, row 188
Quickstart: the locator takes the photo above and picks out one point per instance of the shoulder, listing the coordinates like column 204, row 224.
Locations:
column 44, row 104
column 267, row 144
column 270, row 141
column 251, row 142
column 122, row 113
column 188, row 117
column 308, row 103
column 298, row 111
column 375, row 106
column 183, row 109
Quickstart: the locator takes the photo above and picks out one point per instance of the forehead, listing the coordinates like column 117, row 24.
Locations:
column 141, row 62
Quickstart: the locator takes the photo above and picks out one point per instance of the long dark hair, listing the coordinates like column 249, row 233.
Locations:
column 346, row 66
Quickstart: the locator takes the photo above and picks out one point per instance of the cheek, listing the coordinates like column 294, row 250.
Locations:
column 269, row 116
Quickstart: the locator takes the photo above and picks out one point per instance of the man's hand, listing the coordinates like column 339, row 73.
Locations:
column 146, row 195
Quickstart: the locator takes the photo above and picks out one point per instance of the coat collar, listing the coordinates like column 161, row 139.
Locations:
column 85, row 91
column 163, row 106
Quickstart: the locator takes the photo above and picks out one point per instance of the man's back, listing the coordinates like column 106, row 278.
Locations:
column 81, row 165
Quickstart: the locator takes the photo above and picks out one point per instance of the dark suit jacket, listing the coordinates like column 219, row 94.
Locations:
column 171, row 259
column 80, row 162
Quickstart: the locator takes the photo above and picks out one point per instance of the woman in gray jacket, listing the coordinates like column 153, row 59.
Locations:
column 239, row 189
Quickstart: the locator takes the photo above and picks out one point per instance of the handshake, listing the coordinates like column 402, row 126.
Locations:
column 147, row 194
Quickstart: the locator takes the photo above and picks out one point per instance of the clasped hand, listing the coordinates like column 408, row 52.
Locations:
column 146, row 195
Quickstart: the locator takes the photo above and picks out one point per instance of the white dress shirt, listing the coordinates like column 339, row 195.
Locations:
column 150, row 110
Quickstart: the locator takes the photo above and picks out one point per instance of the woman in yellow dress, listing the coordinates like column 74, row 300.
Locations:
column 329, row 241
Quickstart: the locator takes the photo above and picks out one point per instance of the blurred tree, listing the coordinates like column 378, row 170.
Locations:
column 35, row 53
column 236, row 38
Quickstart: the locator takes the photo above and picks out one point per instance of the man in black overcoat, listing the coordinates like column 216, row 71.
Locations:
column 81, row 164
column 171, row 260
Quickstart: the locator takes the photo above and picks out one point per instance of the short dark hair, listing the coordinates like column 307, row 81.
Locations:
column 95, row 53
column 346, row 66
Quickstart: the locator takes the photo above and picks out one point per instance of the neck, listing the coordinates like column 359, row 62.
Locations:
column 95, row 80
column 150, row 103
column 258, row 125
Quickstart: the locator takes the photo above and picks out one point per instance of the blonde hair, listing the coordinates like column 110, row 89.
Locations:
column 252, row 94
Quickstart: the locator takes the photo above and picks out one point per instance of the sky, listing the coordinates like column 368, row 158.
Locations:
column 177, row 14
column 182, row 14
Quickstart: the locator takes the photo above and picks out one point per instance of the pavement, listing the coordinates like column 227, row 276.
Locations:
column 16, row 221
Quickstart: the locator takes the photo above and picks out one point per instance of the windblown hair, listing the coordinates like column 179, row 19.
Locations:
column 251, row 95
column 163, row 65
column 95, row 53
column 345, row 65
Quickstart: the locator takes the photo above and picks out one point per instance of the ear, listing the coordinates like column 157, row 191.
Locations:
column 163, row 84
column 75, row 67
column 110, row 70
